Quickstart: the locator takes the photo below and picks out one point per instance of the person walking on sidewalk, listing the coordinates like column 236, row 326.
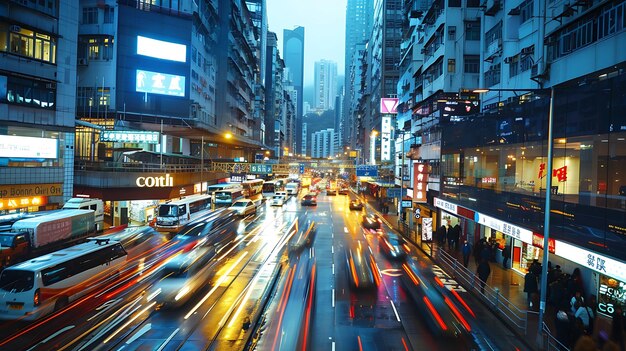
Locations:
column 483, row 270
column 531, row 286
column 441, row 235
column 467, row 249
column 506, row 255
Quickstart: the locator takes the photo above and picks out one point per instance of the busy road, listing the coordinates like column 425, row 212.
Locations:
column 292, row 277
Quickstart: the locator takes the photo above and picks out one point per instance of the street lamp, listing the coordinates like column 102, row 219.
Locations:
column 546, row 217
column 373, row 146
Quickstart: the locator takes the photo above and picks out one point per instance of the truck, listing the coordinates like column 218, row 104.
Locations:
column 35, row 236
column 305, row 181
column 96, row 205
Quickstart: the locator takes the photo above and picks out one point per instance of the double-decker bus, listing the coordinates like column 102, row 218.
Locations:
column 173, row 215
column 252, row 187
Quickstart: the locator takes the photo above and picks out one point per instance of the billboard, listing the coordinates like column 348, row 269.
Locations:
column 385, row 139
column 124, row 136
column 12, row 146
column 159, row 83
column 389, row 105
column 161, row 49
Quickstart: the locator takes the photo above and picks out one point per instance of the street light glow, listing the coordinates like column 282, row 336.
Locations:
column 228, row 135
column 478, row 91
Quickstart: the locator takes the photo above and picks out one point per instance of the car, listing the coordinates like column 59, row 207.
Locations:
column 283, row 193
column 371, row 221
column 331, row 191
column 394, row 246
column 244, row 207
column 356, row 204
column 309, row 200
column 277, row 200
column 343, row 191
column 361, row 269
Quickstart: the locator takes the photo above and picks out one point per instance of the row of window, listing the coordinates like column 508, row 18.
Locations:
column 96, row 48
column 81, row 264
column 90, row 97
column 49, row 7
column 32, row 93
column 91, row 15
column 27, row 43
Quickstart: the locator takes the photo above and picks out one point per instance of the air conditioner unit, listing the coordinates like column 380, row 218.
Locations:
column 83, row 62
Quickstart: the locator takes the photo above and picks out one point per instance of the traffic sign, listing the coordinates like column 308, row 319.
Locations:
column 367, row 171
column 302, row 168
column 260, row 168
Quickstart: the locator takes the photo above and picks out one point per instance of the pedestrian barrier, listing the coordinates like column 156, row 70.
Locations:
column 491, row 296
column 550, row 343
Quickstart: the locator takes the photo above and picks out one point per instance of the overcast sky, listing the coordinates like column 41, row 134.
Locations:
column 324, row 23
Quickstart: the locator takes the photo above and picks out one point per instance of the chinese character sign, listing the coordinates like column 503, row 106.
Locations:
column 420, row 181
column 559, row 173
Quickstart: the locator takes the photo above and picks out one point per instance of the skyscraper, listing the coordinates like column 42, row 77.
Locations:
column 325, row 84
column 293, row 54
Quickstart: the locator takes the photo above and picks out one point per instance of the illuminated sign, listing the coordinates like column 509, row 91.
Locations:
column 427, row 229
column 420, row 181
column 161, row 49
column 237, row 177
column 155, row 182
column 406, row 204
column 12, row 146
column 611, row 293
column 591, row 260
column 538, row 242
column 518, row 233
column 389, row 105
column 488, row 180
column 445, row 205
column 559, row 173
column 159, row 83
column 21, row 202
column 123, row 136
column 23, row 190
column 385, row 137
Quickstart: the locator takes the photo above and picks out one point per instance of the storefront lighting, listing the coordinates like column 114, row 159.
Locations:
column 562, row 141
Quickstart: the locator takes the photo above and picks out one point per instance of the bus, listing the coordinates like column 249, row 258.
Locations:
column 215, row 187
column 173, row 215
column 42, row 285
column 272, row 186
column 226, row 197
column 252, row 187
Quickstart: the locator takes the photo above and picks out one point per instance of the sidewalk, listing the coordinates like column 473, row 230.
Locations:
column 508, row 283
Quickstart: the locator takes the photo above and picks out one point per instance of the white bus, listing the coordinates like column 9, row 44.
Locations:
column 216, row 187
column 48, row 283
column 272, row 186
column 252, row 187
column 172, row 215
column 226, row 197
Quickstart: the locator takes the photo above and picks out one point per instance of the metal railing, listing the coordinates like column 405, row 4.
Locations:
column 550, row 343
column 491, row 296
column 137, row 167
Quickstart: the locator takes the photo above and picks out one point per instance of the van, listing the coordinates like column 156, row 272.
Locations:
column 292, row 188
column 96, row 205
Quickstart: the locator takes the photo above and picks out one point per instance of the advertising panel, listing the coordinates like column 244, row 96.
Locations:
column 389, row 105
column 427, row 229
column 385, row 137
column 12, row 146
column 22, row 202
column 125, row 136
column 159, row 83
column 420, row 182
column 161, row 49
column 611, row 293
column 22, row 190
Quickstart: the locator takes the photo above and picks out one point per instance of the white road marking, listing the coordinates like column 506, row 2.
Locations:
column 332, row 249
column 394, row 310
column 103, row 308
column 59, row 332
column 333, row 265
column 333, row 347
column 138, row 334
column 169, row 338
column 333, row 298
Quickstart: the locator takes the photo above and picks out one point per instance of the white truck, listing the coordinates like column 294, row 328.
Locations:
column 292, row 188
column 35, row 236
column 96, row 205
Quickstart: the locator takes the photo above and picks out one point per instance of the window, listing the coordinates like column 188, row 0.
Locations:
column 454, row 3
column 56, row 273
column 514, row 66
column 492, row 76
column 472, row 30
column 109, row 14
column 473, row 3
column 452, row 33
column 493, row 34
column 526, row 10
column 526, row 63
column 451, row 66
column 33, row 93
column 95, row 47
column 90, row 15
column 28, row 43
column 471, row 64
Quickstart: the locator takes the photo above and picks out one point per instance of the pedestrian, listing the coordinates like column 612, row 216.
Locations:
column 466, row 253
column 562, row 324
column 485, row 252
column 617, row 327
column 483, row 271
column 441, row 235
column 478, row 248
column 576, row 299
column 457, row 236
column 584, row 343
column 531, row 287
column 587, row 316
column 506, row 255
column 576, row 283
column 450, row 237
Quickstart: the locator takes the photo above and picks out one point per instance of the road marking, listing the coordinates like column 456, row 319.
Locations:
column 103, row 308
column 169, row 338
column 333, row 265
column 333, row 298
column 332, row 249
column 138, row 334
column 394, row 310
column 345, row 230
column 333, row 347
column 59, row 332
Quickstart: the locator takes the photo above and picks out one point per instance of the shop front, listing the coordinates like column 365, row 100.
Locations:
column 16, row 198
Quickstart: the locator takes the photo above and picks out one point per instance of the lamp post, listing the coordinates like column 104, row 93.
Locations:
column 546, row 218
column 373, row 146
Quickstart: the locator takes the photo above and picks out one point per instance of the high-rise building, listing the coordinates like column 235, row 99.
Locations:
column 293, row 54
column 274, row 133
column 37, row 103
column 258, row 13
column 359, row 23
column 323, row 143
column 325, row 84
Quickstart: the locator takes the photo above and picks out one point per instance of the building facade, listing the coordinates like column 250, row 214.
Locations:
column 293, row 54
column 37, row 103
column 323, row 143
column 325, row 84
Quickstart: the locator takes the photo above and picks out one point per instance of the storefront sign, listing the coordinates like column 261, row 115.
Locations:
column 12, row 146
column 407, row 204
column 420, row 181
column 237, row 177
column 385, row 137
column 559, row 173
column 125, row 136
column 514, row 231
column 611, row 293
column 155, row 182
column 445, row 205
column 427, row 229
column 21, row 202
column 488, row 180
column 23, row 190
column 538, row 242
column 591, row 260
